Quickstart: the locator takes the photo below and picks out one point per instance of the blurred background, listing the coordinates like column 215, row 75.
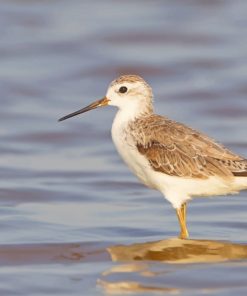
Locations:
column 63, row 183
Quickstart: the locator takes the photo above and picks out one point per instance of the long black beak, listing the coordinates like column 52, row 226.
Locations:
column 94, row 105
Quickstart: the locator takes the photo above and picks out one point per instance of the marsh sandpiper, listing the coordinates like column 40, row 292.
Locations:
column 168, row 156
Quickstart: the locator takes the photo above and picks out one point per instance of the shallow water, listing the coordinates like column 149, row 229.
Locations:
column 73, row 219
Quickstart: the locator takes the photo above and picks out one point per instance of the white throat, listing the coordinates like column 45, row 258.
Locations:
column 131, row 111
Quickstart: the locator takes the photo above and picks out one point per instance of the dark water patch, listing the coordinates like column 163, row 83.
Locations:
column 87, row 135
column 116, row 185
column 242, row 89
column 178, row 38
column 208, row 3
column 49, row 48
column 130, row 232
column 7, row 150
column 25, row 195
column 123, row 69
column 15, row 116
column 52, row 138
column 52, row 253
column 226, row 111
column 36, row 92
column 196, row 95
column 206, row 63
column 14, row 173
column 231, row 225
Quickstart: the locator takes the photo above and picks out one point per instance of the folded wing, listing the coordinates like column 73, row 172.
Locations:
column 177, row 150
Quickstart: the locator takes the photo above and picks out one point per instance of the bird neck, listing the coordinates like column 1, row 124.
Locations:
column 125, row 115
column 136, row 111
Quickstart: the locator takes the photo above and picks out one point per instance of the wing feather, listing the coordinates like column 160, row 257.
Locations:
column 177, row 150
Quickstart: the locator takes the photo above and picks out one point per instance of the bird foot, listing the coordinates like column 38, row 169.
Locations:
column 184, row 235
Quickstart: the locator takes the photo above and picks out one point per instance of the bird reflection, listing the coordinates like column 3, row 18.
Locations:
column 176, row 250
column 136, row 262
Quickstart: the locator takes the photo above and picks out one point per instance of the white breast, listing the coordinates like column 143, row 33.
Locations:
column 126, row 147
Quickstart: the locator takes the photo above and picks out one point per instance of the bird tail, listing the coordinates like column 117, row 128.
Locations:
column 239, row 171
column 241, row 175
column 240, row 168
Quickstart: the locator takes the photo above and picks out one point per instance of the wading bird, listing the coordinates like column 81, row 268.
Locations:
column 177, row 160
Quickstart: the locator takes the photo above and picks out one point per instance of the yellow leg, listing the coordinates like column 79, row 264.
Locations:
column 181, row 213
column 184, row 211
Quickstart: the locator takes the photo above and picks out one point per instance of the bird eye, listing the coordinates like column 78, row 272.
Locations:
column 123, row 89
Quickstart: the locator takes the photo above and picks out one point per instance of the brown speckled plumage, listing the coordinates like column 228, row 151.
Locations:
column 177, row 150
